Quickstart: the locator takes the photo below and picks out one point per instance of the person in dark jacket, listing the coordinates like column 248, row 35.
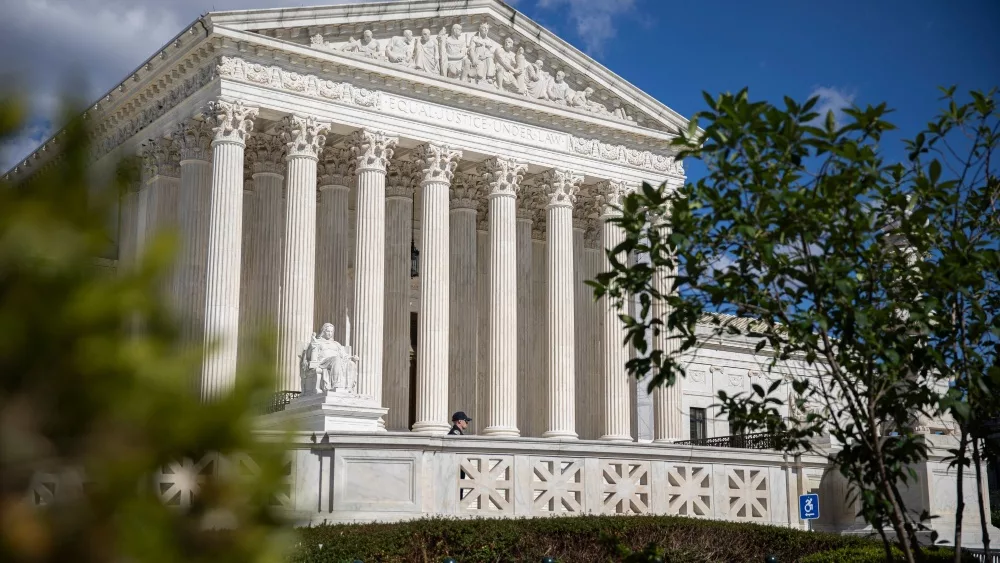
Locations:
column 459, row 422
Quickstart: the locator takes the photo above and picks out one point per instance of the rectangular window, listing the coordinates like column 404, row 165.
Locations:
column 698, row 424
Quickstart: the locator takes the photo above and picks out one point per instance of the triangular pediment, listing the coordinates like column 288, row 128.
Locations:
column 480, row 43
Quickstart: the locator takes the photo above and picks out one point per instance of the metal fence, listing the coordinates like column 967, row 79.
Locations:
column 980, row 555
column 277, row 402
column 762, row 441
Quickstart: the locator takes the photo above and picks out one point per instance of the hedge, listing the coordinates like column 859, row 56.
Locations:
column 876, row 554
column 569, row 539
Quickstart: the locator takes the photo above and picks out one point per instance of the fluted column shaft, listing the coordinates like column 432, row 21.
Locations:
column 333, row 292
column 222, row 278
column 193, row 206
column 504, row 177
column 373, row 150
column 615, row 383
column 270, row 247
column 437, row 163
column 464, row 309
column 562, row 187
column 667, row 405
column 398, row 237
column 304, row 139
column 525, row 317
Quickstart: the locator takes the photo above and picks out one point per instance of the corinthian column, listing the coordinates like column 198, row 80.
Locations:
column 438, row 164
column 667, row 416
column 266, row 154
column 561, row 186
column 161, row 173
column 398, row 238
column 525, row 314
column 373, row 150
column 463, row 351
column 194, row 140
column 336, row 172
column 614, row 384
column 232, row 123
column 304, row 139
column 503, row 177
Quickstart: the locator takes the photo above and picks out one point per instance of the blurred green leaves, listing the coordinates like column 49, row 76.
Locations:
column 95, row 408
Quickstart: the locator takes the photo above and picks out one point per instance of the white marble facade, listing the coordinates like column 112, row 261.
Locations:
column 301, row 153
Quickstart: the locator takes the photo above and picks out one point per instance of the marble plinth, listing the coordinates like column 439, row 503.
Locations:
column 327, row 412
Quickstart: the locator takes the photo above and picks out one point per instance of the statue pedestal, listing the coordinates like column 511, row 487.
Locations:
column 327, row 412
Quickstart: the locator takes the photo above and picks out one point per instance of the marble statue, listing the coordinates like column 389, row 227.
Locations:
column 368, row 46
column 426, row 56
column 479, row 68
column 401, row 49
column 558, row 90
column 455, row 51
column 328, row 365
column 508, row 69
column 537, row 80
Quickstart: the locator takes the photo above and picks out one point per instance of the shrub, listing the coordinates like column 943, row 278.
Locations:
column 875, row 553
column 576, row 539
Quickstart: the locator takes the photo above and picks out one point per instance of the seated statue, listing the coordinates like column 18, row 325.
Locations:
column 328, row 365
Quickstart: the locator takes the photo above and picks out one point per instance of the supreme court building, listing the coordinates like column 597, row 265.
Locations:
column 433, row 179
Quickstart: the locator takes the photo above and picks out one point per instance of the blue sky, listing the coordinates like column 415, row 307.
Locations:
column 862, row 51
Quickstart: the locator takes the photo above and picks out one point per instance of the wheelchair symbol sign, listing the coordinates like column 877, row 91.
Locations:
column 808, row 507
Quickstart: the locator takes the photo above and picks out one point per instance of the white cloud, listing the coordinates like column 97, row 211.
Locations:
column 14, row 150
column 832, row 99
column 594, row 20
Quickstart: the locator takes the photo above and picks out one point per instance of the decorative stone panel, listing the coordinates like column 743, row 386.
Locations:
column 557, row 486
column 486, row 484
column 625, row 487
column 179, row 482
column 689, row 490
column 243, row 467
column 748, row 493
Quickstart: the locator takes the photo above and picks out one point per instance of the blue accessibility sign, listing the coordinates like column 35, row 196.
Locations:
column 808, row 507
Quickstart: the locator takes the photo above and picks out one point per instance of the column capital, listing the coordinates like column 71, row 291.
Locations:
column 336, row 168
column 194, row 140
column 160, row 157
column 402, row 180
column 266, row 154
column 561, row 186
column 304, row 136
column 437, row 162
column 465, row 191
column 527, row 204
column 503, row 175
column 232, row 121
column 373, row 149
column 610, row 194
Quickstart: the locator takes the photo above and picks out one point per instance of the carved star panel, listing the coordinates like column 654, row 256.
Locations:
column 625, row 487
column 689, row 490
column 748, row 494
column 486, row 484
column 557, row 486
column 242, row 466
column 179, row 482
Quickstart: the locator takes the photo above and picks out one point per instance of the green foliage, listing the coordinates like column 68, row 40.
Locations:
column 879, row 276
column 576, row 539
column 85, row 394
column 876, row 554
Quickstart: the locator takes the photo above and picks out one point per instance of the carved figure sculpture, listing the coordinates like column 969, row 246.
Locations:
column 367, row 47
column 426, row 57
column 328, row 365
column 537, row 80
column 455, row 52
column 401, row 48
column 479, row 67
column 508, row 69
column 558, row 90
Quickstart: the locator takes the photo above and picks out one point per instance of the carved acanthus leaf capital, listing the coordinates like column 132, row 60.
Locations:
column 336, row 168
column 403, row 177
column 610, row 194
column 437, row 162
column 266, row 154
column 303, row 136
column 160, row 157
column 465, row 191
column 503, row 175
column 194, row 139
column 373, row 149
column 231, row 122
column 561, row 186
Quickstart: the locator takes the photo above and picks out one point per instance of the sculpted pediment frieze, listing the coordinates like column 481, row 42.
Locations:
column 491, row 56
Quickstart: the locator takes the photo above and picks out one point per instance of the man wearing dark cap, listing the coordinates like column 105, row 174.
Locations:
column 459, row 422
